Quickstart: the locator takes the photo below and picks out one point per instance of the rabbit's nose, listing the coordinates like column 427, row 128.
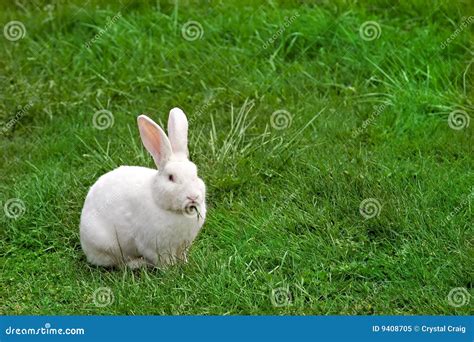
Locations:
column 193, row 198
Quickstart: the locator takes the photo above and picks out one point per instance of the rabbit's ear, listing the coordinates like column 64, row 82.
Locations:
column 178, row 132
column 154, row 140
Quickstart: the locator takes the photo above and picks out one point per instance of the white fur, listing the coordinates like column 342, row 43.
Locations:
column 136, row 215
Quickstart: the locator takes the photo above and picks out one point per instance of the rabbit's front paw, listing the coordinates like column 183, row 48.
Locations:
column 137, row 263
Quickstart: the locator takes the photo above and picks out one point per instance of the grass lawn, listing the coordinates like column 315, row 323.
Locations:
column 334, row 140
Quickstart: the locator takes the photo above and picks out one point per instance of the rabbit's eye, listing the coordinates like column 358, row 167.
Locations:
column 171, row 178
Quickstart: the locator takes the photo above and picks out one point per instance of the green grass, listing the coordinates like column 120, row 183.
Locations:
column 283, row 203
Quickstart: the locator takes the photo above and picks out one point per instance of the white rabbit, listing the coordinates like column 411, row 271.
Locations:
column 139, row 216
